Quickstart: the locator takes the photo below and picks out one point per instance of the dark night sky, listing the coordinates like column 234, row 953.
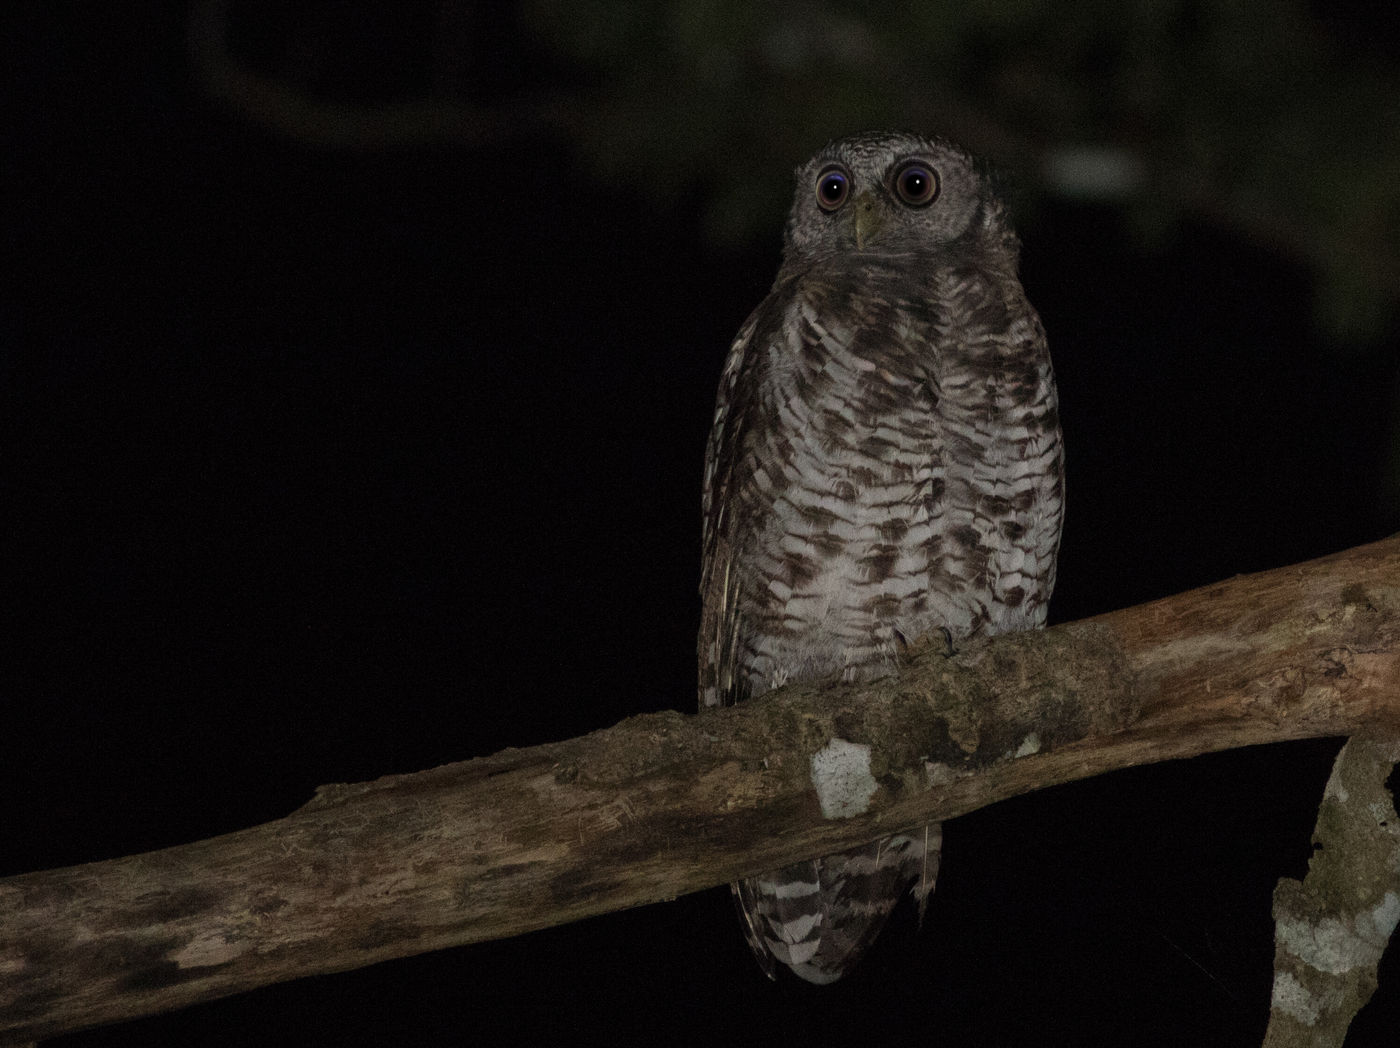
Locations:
column 323, row 466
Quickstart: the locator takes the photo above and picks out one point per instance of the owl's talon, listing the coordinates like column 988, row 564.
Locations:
column 948, row 650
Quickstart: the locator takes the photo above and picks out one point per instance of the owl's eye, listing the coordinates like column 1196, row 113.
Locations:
column 833, row 186
column 916, row 183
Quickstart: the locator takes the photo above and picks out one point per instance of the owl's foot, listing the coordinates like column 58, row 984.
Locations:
column 905, row 648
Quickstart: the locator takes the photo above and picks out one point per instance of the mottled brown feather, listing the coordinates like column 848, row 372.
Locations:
column 884, row 463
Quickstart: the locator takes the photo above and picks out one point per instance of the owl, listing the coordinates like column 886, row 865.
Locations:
column 885, row 463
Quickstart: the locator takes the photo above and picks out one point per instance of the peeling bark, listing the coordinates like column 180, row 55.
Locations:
column 669, row 803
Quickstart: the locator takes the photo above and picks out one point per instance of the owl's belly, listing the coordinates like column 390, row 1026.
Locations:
column 841, row 585
column 845, row 589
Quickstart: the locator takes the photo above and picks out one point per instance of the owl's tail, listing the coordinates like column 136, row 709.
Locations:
column 817, row 917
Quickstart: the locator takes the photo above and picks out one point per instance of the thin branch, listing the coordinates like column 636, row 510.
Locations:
column 666, row 804
column 283, row 109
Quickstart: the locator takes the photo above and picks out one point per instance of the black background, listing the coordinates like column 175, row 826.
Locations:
column 319, row 466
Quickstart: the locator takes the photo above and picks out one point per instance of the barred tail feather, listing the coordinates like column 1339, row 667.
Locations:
column 817, row 917
column 931, row 853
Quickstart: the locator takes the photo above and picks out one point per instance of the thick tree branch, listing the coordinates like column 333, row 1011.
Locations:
column 667, row 803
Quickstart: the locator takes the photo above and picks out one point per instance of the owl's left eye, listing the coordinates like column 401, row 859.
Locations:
column 833, row 186
column 916, row 183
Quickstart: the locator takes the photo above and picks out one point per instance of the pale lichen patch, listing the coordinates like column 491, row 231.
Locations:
column 1330, row 946
column 1384, row 916
column 1030, row 744
column 1293, row 999
column 841, row 776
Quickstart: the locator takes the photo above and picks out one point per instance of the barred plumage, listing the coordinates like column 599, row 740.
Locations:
column 885, row 462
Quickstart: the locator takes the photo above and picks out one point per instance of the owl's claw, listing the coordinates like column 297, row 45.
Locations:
column 948, row 650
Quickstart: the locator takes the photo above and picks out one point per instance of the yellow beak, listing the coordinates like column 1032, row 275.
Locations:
column 868, row 219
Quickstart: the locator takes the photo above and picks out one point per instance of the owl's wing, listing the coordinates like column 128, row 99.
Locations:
column 719, row 586
column 720, row 683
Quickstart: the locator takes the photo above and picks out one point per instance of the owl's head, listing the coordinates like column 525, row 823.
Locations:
column 893, row 191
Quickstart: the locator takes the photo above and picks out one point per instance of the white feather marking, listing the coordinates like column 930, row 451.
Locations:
column 797, row 929
column 800, row 953
column 792, row 890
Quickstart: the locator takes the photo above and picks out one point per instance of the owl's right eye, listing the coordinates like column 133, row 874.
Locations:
column 833, row 186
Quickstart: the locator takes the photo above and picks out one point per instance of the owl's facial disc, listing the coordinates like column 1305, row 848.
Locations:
column 867, row 217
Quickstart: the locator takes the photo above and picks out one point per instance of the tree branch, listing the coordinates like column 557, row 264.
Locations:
column 282, row 108
column 1332, row 928
column 667, row 803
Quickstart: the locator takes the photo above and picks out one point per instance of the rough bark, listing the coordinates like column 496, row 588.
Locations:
column 668, row 803
column 1331, row 929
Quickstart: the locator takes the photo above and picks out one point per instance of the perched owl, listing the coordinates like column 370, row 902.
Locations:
column 885, row 462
